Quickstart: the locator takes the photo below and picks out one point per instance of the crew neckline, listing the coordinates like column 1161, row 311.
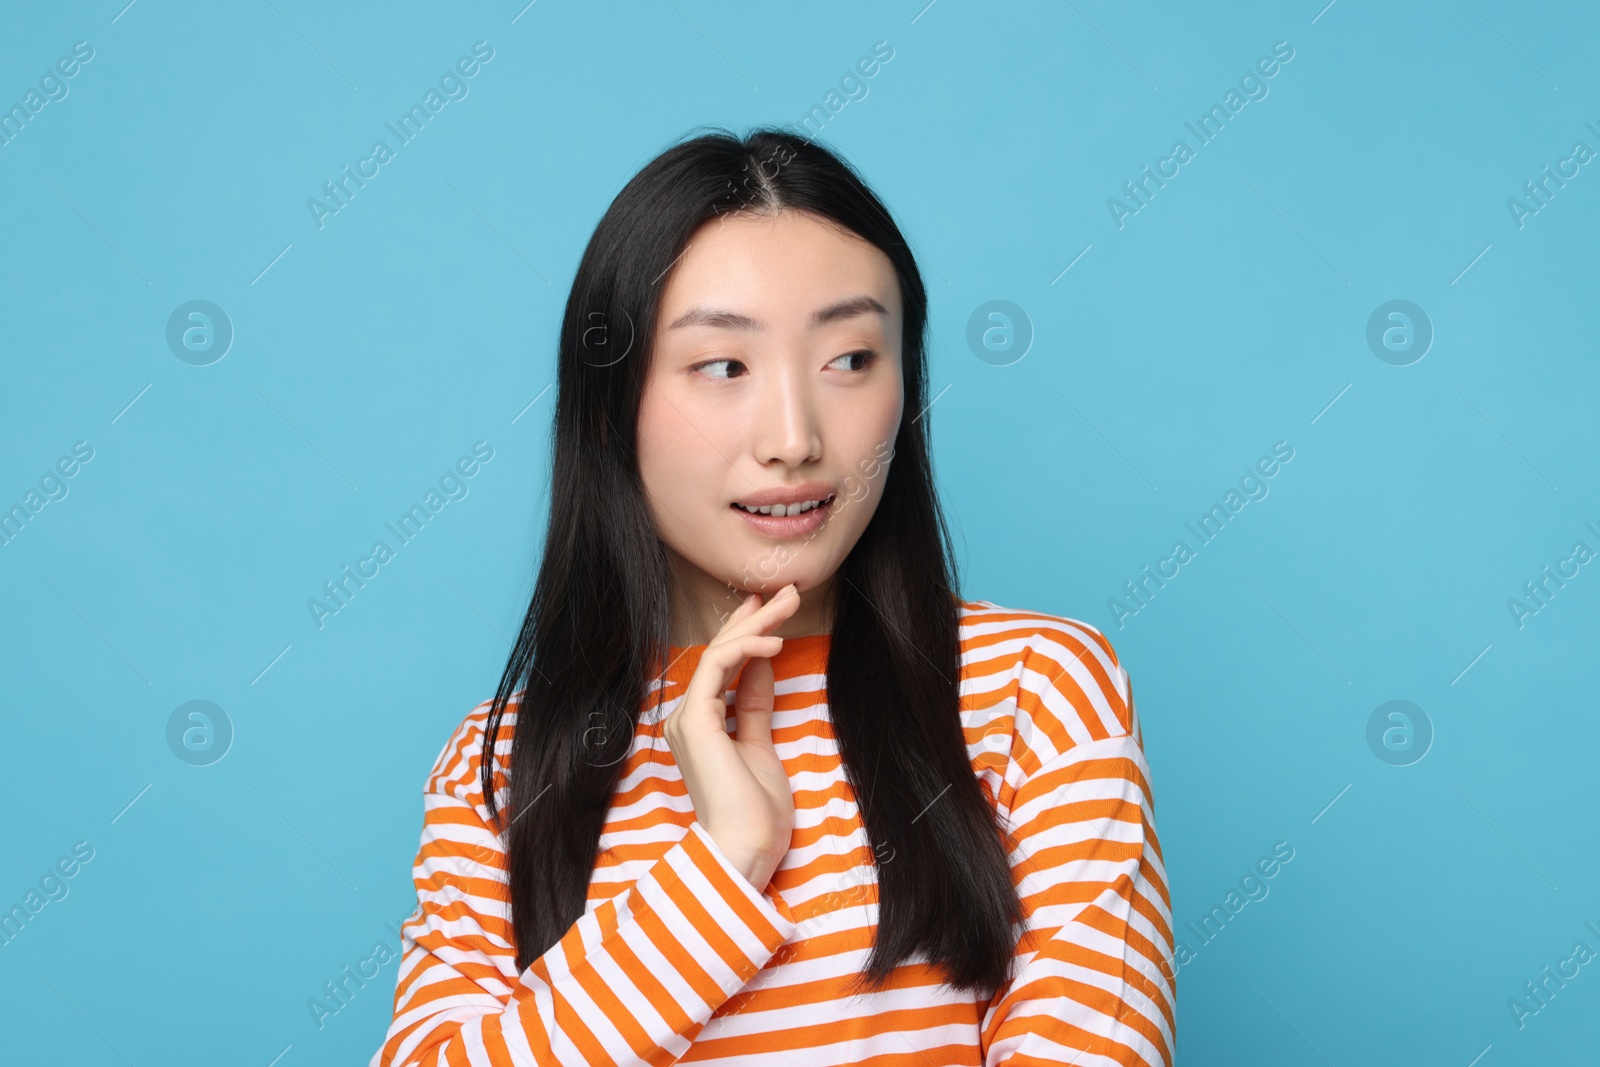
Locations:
column 808, row 651
column 803, row 641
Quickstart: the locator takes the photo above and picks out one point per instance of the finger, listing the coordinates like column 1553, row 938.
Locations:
column 753, row 703
column 746, row 606
column 782, row 605
column 723, row 659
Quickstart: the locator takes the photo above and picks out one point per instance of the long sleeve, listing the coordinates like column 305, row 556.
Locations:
column 1093, row 981
column 631, row 982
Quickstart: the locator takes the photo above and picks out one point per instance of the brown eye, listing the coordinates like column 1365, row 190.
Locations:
column 730, row 363
column 865, row 355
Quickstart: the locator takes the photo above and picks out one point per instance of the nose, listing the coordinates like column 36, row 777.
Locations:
column 788, row 429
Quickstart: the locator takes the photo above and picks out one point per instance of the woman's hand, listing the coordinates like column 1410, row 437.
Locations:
column 738, row 785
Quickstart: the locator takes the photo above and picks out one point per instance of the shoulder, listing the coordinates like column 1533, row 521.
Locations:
column 1060, row 677
column 458, row 769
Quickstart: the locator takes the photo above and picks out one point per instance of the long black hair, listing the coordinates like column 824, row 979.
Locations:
column 596, row 629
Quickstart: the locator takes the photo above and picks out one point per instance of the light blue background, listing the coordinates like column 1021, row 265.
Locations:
column 1225, row 316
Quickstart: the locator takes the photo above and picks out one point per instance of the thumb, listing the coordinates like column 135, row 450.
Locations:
column 752, row 703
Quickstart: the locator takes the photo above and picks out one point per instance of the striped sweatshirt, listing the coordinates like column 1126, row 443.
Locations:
column 678, row 958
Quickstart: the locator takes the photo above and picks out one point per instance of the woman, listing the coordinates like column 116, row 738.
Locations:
column 931, row 828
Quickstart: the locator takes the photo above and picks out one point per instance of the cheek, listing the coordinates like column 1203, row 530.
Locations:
column 679, row 463
column 884, row 407
column 868, row 435
column 654, row 441
column 662, row 422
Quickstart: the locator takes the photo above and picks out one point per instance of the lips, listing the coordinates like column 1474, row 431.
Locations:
column 787, row 495
column 781, row 510
column 776, row 522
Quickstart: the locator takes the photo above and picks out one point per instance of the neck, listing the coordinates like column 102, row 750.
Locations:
column 700, row 603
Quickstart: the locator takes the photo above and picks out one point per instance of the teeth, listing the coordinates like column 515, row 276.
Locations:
column 783, row 511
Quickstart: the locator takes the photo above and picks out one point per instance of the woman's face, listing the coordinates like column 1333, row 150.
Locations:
column 775, row 377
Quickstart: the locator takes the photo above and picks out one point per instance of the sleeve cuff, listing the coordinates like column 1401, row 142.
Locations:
column 729, row 927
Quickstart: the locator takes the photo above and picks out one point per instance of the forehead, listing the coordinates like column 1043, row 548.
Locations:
column 775, row 268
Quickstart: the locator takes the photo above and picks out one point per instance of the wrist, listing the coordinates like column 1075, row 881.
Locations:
column 755, row 865
column 756, row 868
column 756, row 860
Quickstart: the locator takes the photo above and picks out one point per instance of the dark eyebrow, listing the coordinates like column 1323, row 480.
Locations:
column 729, row 320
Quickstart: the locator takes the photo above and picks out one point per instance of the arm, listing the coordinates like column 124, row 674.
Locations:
column 1093, row 981
column 631, row 982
